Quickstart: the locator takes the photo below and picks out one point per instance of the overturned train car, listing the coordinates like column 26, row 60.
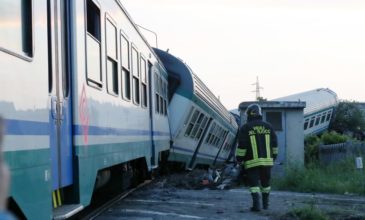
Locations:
column 202, row 130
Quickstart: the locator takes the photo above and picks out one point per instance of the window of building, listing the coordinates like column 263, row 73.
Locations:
column 126, row 76
column 93, row 44
column 275, row 119
column 17, row 27
column 136, row 76
column 112, row 58
column 144, row 82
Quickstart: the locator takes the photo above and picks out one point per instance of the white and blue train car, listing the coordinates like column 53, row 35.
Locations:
column 82, row 95
column 320, row 106
column 202, row 130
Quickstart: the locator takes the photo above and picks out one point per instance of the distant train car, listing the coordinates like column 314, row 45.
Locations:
column 320, row 105
column 203, row 131
column 84, row 97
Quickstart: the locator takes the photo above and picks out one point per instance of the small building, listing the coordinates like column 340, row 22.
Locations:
column 287, row 121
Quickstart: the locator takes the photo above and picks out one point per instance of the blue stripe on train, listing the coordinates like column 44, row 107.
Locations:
column 22, row 127
column 94, row 130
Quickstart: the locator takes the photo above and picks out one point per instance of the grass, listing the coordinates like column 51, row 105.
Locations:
column 339, row 178
column 307, row 213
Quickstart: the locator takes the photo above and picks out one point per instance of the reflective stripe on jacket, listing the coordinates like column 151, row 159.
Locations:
column 257, row 144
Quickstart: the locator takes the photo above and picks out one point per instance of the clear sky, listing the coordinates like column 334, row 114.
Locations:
column 292, row 46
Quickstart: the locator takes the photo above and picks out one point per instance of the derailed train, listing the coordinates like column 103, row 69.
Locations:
column 86, row 98
column 320, row 107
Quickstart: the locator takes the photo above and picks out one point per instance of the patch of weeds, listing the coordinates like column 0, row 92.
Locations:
column 339, row 178
column 306, row 213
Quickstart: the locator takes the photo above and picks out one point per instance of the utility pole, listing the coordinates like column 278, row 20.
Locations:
column 258, row 88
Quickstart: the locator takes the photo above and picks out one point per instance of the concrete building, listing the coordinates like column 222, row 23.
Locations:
column 287, row 121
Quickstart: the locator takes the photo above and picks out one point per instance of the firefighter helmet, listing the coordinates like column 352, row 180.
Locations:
column 253, row 110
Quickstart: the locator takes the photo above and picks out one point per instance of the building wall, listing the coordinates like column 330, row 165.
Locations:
column 294, row 138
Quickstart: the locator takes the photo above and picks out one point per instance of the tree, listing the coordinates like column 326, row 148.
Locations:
column 348, row 118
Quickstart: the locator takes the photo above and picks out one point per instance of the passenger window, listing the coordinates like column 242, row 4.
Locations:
column 144, row 81
column 202, row 127
column 16, row 27
column 311, row 122
column 328, row 116
column 93, row 53
column 323, row 118
column 157, row 97
column 192, row 122
column 197, row 125
column 136, row 76
column 188, row 116
column 318, row 119
column 126, row 76
column 112, row 58
column 306, row 124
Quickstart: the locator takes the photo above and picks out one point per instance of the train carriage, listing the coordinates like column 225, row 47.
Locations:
column 320, row 105
column 85, row 93
column 203, row 131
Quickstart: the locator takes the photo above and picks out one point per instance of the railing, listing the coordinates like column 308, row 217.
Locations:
column 337, row 152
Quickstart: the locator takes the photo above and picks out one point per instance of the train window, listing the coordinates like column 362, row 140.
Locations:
column 165, row 106
column 311, row 123
column 192, row 122
column 318, row 119
column 323, row 118
column 157, row 95
column 111, row 53
column 188, row 116
column 157, row 103
column 144, row 81
column 93, row 20
column 328, row 116
column 136, row 76
column 202, row 127
column 197, row 126
column 126, row 75
column 16, row 27
column 93, row 45
column 210, row 135
column 306, row 124
column 161, row 105
column 274, row 118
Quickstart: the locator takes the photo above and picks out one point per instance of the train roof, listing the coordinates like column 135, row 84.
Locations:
column 191, row 85
column 317, row 99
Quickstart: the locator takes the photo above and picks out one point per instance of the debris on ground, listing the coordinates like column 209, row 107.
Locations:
column 220, row 178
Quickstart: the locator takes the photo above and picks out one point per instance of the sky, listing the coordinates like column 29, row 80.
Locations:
column 290, row 45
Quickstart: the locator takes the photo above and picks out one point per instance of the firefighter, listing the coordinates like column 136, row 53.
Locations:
column 257, row 149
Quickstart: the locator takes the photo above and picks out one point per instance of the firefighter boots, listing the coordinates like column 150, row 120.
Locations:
column 265, row 200
column 255, row 202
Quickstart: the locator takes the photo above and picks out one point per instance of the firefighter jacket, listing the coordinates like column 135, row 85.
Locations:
column 257, row 144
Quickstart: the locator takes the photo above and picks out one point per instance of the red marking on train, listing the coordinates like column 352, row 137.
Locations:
column 84, row 115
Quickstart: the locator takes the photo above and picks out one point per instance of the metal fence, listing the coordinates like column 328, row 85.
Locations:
column 337, row 152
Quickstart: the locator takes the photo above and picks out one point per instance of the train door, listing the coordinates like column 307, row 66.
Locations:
column 60, row 95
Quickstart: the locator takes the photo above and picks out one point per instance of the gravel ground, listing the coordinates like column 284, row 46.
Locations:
column 195, row 195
